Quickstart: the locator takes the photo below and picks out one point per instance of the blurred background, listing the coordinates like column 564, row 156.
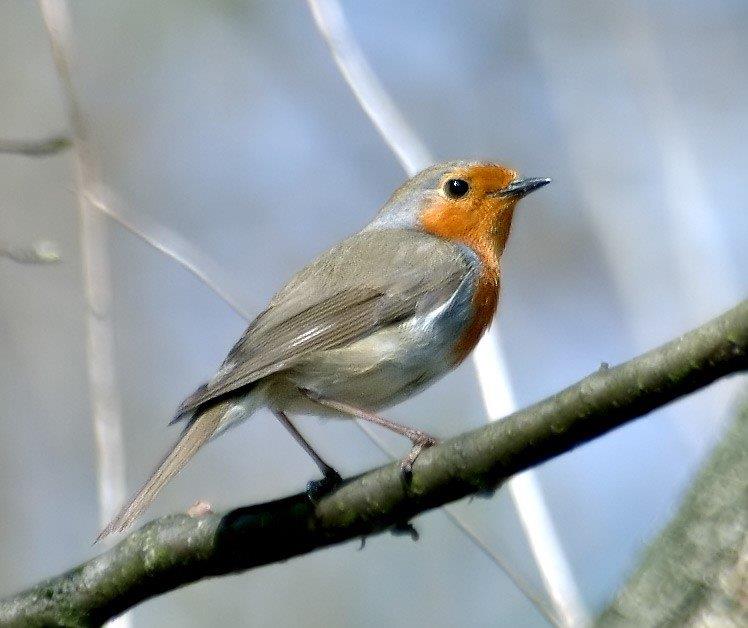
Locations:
column 227, row 122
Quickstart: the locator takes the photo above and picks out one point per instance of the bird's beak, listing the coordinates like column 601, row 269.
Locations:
column 522, row 187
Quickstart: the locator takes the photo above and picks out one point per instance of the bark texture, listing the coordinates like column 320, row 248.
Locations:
column 696, row 572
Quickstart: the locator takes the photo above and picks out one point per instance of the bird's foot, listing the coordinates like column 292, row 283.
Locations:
column 199, row 509
column 421, row 440
column 317, row 489
column 405, row 528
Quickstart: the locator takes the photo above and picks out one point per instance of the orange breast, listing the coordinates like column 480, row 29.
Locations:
column 476, row 231
column 484, row 306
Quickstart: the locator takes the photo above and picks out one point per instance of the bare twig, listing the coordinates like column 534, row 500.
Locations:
column 497, row 392
column 366, row 87
column 178, row 549
column 169, row 243
column 41, row 252
column 102, row 379
column 35, row 148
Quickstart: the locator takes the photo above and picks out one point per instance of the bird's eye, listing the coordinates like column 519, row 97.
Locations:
column 456, row 188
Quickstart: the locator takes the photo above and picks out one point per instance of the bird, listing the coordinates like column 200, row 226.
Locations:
column 369, row 323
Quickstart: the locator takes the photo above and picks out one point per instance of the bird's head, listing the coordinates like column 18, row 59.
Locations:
column 465, row 201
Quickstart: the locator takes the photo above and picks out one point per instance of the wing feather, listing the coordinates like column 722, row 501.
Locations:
column 314, row 316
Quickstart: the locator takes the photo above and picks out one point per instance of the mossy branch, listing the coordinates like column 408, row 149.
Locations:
column 696, row 572
column 175, row 550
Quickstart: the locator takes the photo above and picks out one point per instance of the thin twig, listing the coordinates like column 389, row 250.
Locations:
column 178, row 549
column 41, row 252
column 366, row 87
column 497, row 392
column 169, row 243
column 102, row 379
column 35, row 148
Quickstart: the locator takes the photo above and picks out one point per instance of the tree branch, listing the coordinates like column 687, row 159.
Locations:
column 696, row 572
column 35, row 148
column 175, row 550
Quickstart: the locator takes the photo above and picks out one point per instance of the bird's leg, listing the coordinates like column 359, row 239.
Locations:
column 420, row 439
column 331, row 478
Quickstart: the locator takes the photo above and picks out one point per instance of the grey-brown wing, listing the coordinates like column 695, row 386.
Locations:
column 331, row 304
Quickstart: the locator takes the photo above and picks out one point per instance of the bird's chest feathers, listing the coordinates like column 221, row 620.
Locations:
column 483, row 303
column 485, row 237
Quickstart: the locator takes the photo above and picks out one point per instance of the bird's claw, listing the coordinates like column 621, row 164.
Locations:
column 199, row 509
column 421, row 441
column 405, row 528
column 317, row 489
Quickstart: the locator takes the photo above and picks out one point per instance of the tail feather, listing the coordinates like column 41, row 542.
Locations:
column 199, row 431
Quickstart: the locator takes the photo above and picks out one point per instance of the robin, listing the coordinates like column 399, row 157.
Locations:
column 370, row 322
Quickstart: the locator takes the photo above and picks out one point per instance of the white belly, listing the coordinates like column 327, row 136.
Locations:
column 382, row 369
